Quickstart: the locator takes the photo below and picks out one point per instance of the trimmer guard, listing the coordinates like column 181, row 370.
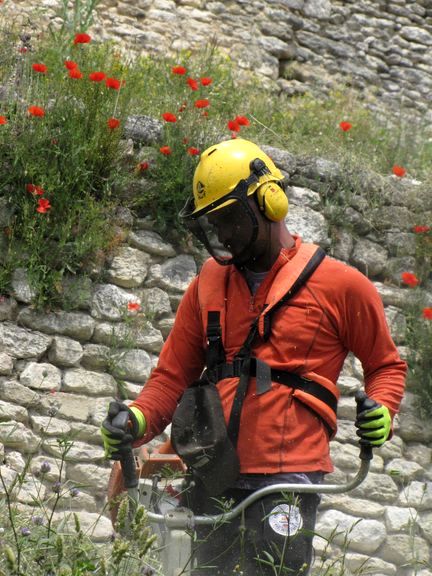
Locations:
column 147, row 464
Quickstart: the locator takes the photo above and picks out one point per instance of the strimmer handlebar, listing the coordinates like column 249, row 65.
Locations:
column 127, row 459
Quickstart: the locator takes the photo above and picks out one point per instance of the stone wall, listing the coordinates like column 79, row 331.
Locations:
column 59, row 370
column 380, row 47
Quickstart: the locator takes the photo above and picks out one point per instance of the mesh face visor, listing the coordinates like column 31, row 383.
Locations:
column 226, row 227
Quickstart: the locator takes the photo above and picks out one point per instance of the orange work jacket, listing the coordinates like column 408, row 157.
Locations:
column 337, row 311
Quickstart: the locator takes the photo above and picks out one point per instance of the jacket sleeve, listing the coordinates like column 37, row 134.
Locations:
column 365, row 333
column 181, row 361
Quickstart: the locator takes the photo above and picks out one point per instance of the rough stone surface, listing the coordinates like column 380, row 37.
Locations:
column 21, row 343
column 128, row 268
column 90, row 383
column 73, row 324
column 65, row 352
column 41, row 376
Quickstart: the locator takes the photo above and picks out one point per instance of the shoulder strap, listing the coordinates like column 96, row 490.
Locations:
column 310, row 257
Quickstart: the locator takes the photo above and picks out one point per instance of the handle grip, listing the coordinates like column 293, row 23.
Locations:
column 127, row 458
column 364, row 403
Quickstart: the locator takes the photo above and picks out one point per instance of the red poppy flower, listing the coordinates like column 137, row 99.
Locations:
column 113, row 123
column 205, row 114
column 206, row 81
column 40, row 68
column 113, row 83
column 399, row 171
column 169, row 117
column 36, row 111
column 23, row 49
column 233, row 125
column 410, row 279
column 421, row 229
column 182, row 107
column 82, row 38
column 180, row 70
column 33, row 189
column 242, row 120
column 70, row 64
column 75, row 74
column 3, row 120
column 427, row 313
column 193, row 151
column 97, row 76
column 43, row 205
column 143, row 166
column 193, row 84
column 233, row 135
column 166, row 150
column 134, row 306
column 345, row 126
column 201, row 103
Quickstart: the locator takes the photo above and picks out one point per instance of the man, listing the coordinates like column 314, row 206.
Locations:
column 307, row 312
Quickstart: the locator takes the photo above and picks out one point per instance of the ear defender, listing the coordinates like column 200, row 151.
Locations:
column 272, row 201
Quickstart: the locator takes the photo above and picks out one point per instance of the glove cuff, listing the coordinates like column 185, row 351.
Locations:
column 139, row 422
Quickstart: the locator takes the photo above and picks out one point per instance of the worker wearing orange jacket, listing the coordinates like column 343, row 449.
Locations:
column 302, row 335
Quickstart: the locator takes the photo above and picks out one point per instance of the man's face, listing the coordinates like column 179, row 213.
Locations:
column 234, row 227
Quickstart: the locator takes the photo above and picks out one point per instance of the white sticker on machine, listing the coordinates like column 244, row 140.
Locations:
column 285, row 519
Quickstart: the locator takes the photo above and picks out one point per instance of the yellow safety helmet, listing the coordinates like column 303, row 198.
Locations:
column 224, row 165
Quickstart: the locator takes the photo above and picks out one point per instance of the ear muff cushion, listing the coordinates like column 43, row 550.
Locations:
column 272, row 201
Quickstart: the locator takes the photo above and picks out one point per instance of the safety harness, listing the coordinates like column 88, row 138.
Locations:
column 244, row 365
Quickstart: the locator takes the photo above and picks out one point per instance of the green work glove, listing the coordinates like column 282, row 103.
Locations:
column 117, row 439
column 374, row 424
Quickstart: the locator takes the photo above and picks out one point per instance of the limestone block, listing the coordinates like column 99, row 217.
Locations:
column 6, row 364
column 425, row 523
column 284, row 160
column 98, row 528
column 73, row 324
column 110, row 302
column 361, row 564
column 348, row 386
column 174, row 274
column 369, row 257
column 143, row 129
column 68, row 406
column 354, row 506
column 46, row 468
column 65, row 351
column 12, row 412
column 309, row 224
column 165, row 326
column 405, row 549
column 17, row 436
column 8, row 308
column 346, row 456
column 79, row 451
column 128, row 267
column 47, row 426
column 15, row 461
column 404, row 470
column 74, row 498
column 397, row 324
column 82, row 381
column 13, row 391
column 22, row 290
column 400, row 519
column 123, row 335
column 95, row 356
column 88, row 476
column 41, row 376
column 31, row 492
column 418, row 495
column 357, row 530
column 132, row 365
column 86, row 433
column 22, row 343
column 377, row 487
column 155, row 303
column 303, row 197
column 8, row 477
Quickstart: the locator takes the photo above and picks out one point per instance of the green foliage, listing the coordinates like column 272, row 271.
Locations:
column 419, row 340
